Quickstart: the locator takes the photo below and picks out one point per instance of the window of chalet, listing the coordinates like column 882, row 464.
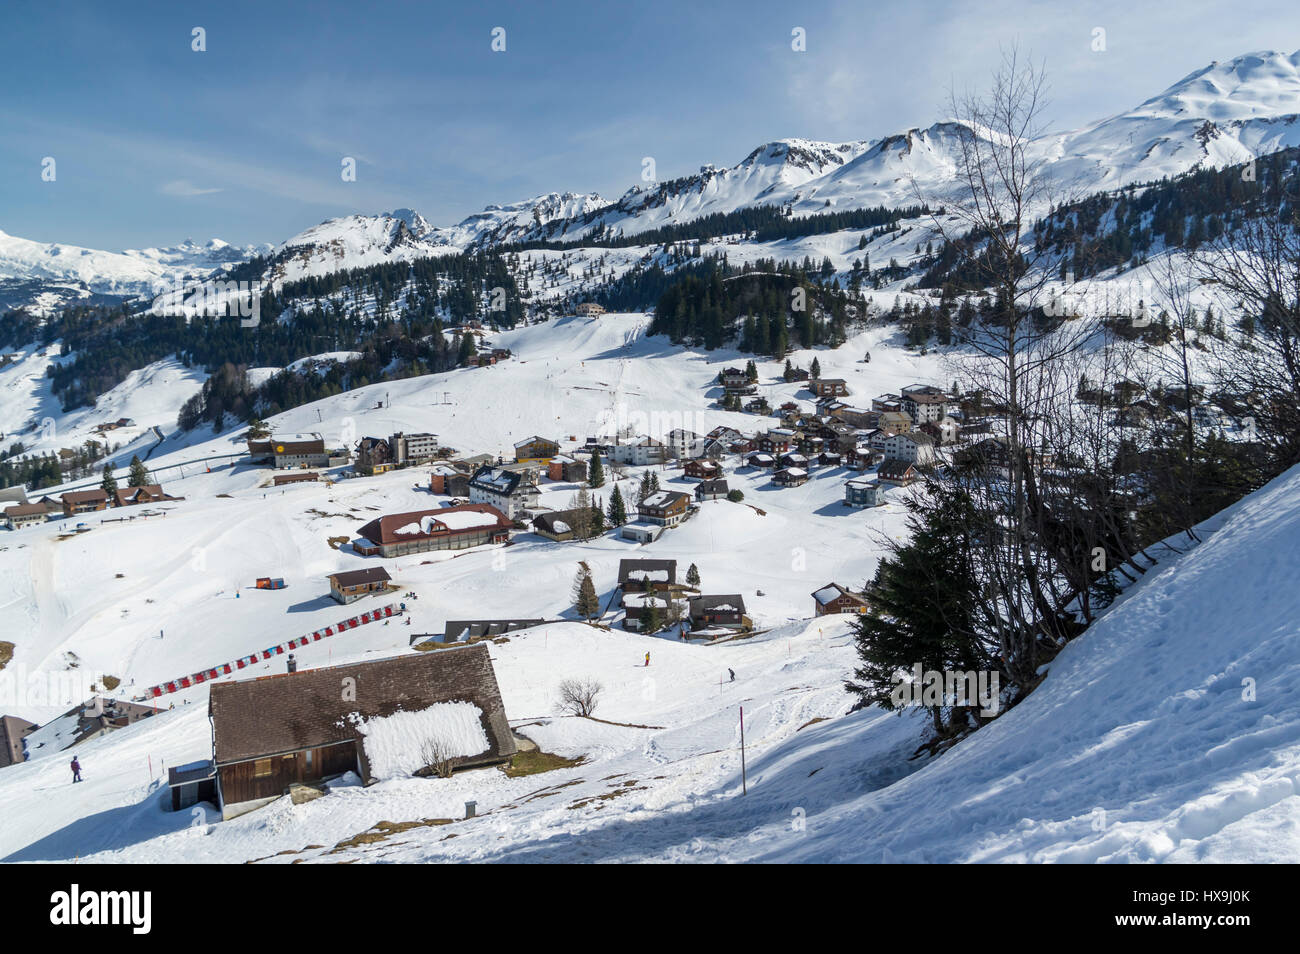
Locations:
column 261, row 768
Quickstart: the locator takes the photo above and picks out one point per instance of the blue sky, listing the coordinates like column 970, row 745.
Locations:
column 155, row 143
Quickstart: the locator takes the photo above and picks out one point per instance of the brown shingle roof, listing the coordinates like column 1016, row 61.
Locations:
column 294, row 711
column 374, row 574
column 84, row 496
column 25, row 510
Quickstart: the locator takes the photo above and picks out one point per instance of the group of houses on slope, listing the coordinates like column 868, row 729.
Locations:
column 378, row 455
column 648, row 589
column 20, row 739
column 19, row 512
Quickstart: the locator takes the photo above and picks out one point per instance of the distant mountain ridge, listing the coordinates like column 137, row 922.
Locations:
column 1222, row 114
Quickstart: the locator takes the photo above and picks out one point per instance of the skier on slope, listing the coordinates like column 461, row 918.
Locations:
column 733, row 674
column 76, row 769
column 647, row 658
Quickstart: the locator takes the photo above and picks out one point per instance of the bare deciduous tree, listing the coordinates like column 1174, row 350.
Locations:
column 579, row 696
column 1011, row 352
column 439, row 756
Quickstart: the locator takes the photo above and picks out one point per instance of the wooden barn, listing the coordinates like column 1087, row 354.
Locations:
column 310, row 726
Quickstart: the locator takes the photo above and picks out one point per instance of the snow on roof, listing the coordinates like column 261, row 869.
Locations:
column 648, row 576
column 401, row 744
column 293, row 438
column 661, row 498
column 826, row 594
column 452, row 520
column 796, row 472
column 642, row 600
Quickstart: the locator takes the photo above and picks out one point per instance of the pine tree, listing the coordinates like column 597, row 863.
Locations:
column 923, row 602
column 651, row 619
column 139, row 474
column 693, row 577
column 596, row 473
column 596, row 522
column 585, row 600
column 649, row 484
column 617, row 508
column 816, row 370
column 109, row 483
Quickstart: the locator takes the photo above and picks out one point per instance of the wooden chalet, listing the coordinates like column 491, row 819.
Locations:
column 898, row 472
column 639, row 576
column 712, row 489
column 351, row 585
column 24, row 515
column 559, row 525
column 536, row 450
column 828, row 387
column 310, row 726
column 702, row 469
column 664, row 507
column 790, row 477
column 84, row 501
column 728, row 610
column 133, row 496
column 833, row 598
column 374, row 456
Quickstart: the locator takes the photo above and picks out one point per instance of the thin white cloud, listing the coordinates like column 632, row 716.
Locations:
column 184, row 188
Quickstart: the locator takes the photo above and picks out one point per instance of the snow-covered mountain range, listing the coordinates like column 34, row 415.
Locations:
column 1225, row 113
column 61, row 272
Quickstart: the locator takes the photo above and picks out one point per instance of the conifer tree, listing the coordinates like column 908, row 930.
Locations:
column 109, row 483
column 617, row 508
column 585, row 600
column 596, row 474
column 693, row 576
column 139, row 474
column 651, row 619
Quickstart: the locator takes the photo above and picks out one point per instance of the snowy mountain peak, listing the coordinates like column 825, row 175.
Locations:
column 1251, row 85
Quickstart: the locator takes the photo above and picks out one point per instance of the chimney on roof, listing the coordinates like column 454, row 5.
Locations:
column 292, row 663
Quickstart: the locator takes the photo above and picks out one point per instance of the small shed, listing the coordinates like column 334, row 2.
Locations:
column 192, row 783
